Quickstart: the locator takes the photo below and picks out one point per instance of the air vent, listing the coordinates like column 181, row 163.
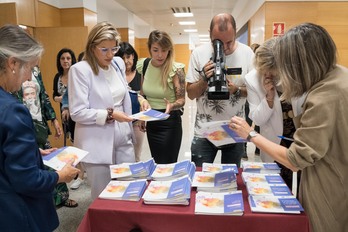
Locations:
column 181, row 9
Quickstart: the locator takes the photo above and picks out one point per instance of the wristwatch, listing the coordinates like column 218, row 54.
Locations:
column 251, row 135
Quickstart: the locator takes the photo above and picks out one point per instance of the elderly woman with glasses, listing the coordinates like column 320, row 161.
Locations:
column 99, row 103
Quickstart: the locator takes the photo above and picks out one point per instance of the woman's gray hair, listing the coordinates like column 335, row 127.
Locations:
column 100, row 32
column 16, row 42
column 304, row 55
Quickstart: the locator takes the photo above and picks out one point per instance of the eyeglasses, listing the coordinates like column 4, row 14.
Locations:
column 113, row 50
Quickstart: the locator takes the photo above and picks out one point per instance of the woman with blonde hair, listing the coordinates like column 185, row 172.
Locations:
column 164, row 89
column 100, row 105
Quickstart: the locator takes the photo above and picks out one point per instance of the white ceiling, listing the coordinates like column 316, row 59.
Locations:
column 159, row 15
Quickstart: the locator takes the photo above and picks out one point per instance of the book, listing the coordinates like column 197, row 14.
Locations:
column 173, row 170
column 219, row 133
column 129, row 171
column 273, row 204
column 223, row 181
column 59, row 158
column 171, row 192
column 213, row 167
column 264, row 189
column 150, row 115
column 260, row 167
column 261, row 178
column 230, row 203
column 124, row 190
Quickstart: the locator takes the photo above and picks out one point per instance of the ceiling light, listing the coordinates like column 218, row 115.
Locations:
column 203, row 36
column 187, row 23
column 190, row 30
column 181, row 15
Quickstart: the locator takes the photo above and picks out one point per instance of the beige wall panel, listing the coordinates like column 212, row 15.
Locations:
column 90, row 19
column 53, row 40
column 124, row 34
column 257, row 27
column 26, row 12
column 72, row 17
column 331, row 15
column 8, row 13
column 142, row 48
column 47, row 16
column 182, row 54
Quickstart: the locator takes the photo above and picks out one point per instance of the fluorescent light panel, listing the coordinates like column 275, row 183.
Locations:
column 187, row 23
column 180, row 15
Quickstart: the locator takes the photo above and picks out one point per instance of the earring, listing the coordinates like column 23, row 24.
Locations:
column 13, row 71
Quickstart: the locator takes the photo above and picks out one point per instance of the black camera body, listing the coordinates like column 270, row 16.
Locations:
column 217, row 84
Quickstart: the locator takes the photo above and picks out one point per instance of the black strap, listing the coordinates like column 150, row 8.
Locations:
column 146, row 63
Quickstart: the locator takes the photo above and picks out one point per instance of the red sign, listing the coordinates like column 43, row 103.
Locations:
column 278, row 29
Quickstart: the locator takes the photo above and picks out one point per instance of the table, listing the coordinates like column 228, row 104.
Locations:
column 123, row 216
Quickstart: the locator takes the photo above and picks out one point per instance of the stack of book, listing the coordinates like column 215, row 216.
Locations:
column 259, row 167
column 131, row 171
column 230, row 203
column 223, row 181
column 268, row 193
column 214, row 167
column 170, row 192
column 124, row 190
column 174, row 170
column 275, row 204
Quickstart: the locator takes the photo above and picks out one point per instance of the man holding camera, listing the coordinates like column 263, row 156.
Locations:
column 218, row 97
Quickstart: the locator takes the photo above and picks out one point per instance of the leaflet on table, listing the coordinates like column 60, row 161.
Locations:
column 214, row 167
column 59, row 158
column 261, row 178
column 219, row 134
column 132, row 170
column 260, row 167
column 173, row 170
column 215, row 182
column 170, row 192
column 150, row 115
column 264, row 189
column 124, row 190
column 230, row 203
column 273, row 204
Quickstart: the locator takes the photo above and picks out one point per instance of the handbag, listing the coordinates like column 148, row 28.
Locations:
column 135, row 103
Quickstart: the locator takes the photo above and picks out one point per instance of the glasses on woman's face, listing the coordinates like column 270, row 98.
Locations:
column 113, row 50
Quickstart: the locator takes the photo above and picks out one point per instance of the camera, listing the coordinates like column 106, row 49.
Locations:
column 217, row 85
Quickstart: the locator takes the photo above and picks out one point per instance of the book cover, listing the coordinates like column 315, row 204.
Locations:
column 170, row 192
column 172, row 171
column 260, row 167
column 129, row 171
column 230, row 203
column 264, row 189
column 273, row 204
column 219, row 134
column 215, row 182
column 150, row 115
column 261, row 178
column 59, row 158
column 124, row 190
column 214, row 167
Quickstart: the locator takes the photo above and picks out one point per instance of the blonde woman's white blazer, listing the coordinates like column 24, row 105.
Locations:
column 88, row 94
column 269, row 119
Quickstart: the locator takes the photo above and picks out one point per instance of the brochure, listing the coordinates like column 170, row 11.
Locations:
column 59, row 158
column 273, row 204
column 150, row 115
column 124, row 190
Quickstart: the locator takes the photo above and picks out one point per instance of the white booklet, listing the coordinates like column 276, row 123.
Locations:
column 150, row 115
column 273, row 204
column 219, row 134
column 59, row 158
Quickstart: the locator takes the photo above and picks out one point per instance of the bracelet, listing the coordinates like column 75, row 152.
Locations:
column 109, row 117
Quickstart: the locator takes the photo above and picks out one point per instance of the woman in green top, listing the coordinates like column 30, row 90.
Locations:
column 164, row 88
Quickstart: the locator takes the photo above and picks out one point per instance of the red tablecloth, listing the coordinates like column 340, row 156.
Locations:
column 123, row 216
